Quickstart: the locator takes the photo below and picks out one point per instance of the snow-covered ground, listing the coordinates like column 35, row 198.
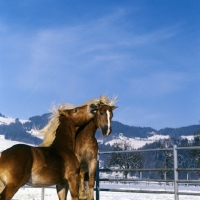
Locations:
column 50, row 193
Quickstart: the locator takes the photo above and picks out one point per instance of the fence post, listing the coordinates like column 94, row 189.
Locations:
column 97, row 178
column 165, row 178
column 140, row 179
column 42, row 194
column 176, row 197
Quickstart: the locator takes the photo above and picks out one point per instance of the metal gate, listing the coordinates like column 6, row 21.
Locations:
column 175, row 170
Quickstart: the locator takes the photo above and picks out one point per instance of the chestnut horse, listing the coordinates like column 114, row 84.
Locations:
column 86, row 146
column 54, row 163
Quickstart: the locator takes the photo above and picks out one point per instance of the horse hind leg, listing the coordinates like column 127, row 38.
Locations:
column 2, row 186
column 91, row 182
column 9, row 191
column 82, row 192
column 62, row 190
column 12, row 186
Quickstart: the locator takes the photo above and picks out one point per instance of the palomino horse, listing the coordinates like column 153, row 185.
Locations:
column 45, row 166
column 86, row 146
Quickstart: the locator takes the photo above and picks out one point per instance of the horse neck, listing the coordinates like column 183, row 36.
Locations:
column 65, row 136
column 88, row 131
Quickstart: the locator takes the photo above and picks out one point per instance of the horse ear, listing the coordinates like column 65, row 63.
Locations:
column 114, row 107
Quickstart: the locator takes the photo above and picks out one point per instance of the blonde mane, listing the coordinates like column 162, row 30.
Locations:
column 104, row 99
column 49, row 131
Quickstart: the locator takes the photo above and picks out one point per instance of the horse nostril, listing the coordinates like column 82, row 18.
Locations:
column 104, row 129
column 93, row 108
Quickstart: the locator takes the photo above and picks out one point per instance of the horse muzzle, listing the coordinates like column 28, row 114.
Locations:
column 106, row 130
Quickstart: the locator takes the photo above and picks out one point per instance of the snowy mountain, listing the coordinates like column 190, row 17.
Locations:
column 5, row 144
column 9, row 120
column 137, row 142
column 21, row 130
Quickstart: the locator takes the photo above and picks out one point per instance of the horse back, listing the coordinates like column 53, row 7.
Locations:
column 16, row 155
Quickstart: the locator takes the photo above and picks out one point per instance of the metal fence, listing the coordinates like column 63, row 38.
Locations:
column 175, row 170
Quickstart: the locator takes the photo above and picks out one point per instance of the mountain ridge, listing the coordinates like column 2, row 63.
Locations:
column 20, row 130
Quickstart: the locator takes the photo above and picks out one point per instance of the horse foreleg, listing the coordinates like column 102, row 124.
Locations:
column 73, row 182
column 62, row 190
column 82, row 194
column 91, row 182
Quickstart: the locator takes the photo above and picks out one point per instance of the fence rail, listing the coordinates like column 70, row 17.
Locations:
column 175, row 169
column 175, row 181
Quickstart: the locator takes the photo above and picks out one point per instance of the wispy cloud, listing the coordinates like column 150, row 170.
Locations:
column 98, row 50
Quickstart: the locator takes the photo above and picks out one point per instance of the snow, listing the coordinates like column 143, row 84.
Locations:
column 5, row 144
column 50, row 193
column 189, row 137
column 27, row 193
column 158, row 137
column 6, row 120
column 138, row 142
column 35, row 133
column 9, row 120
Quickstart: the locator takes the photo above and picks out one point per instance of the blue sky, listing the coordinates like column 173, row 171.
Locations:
column 147, row 52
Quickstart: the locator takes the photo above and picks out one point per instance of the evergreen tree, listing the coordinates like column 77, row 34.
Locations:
column 124, row 160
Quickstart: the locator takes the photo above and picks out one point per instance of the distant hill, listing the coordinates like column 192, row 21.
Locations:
column 144, row 132
column 177, row 132
column 131, row 131
column 21, row 130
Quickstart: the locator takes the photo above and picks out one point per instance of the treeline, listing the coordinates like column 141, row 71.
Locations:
column 131, row 131
column 155, row 159
column 16, row 131
column 144, row 132
column 164, row 159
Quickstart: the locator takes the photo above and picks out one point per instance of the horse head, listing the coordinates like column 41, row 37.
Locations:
column 79, row 115
column 76, row 115
column 104, row 115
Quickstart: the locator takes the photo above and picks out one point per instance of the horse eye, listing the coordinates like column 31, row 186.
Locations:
column 75, row 110
column 101, row 112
